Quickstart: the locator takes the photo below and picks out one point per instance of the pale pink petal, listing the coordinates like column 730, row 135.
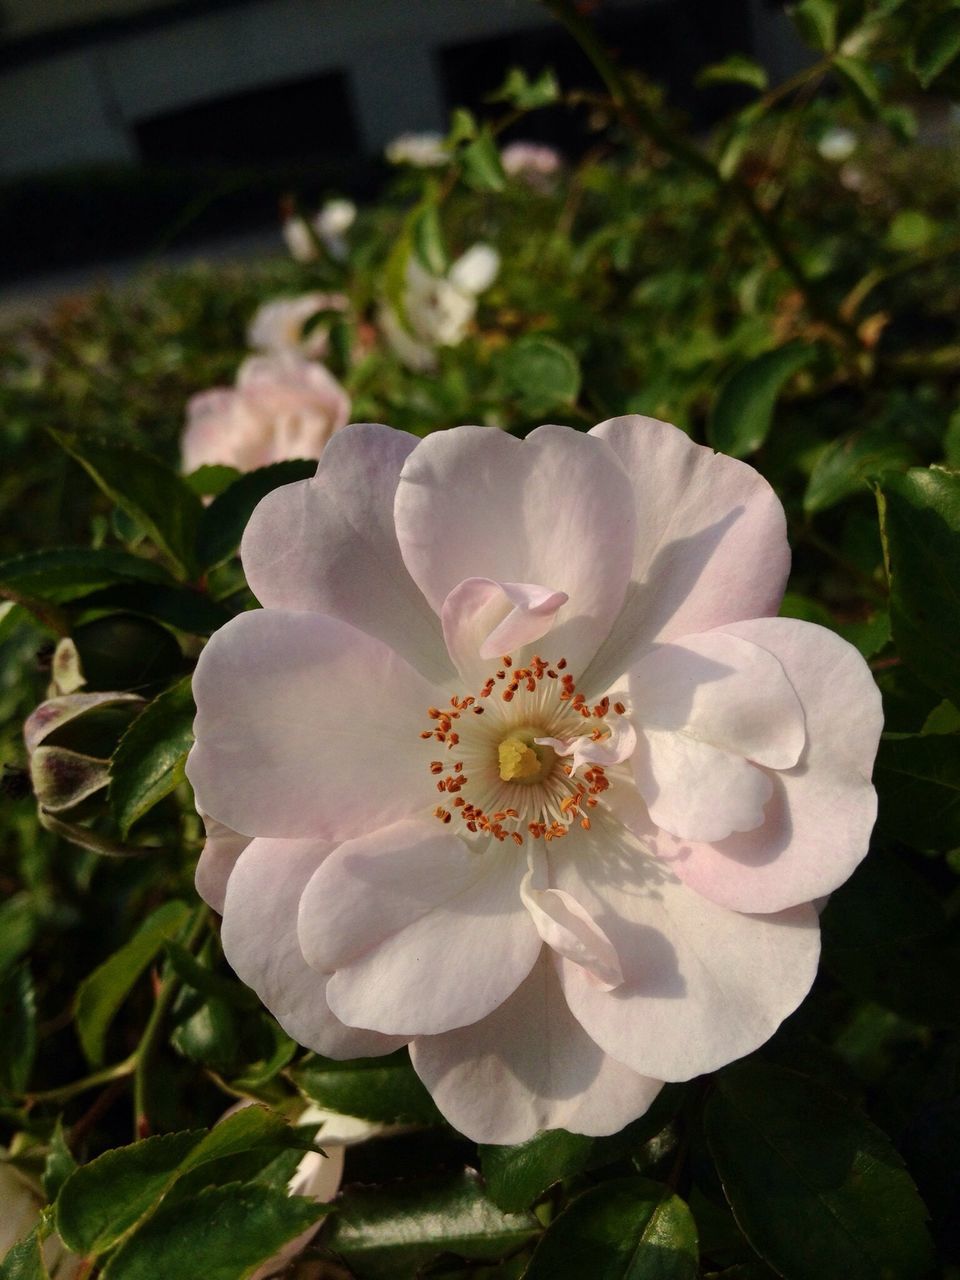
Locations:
column 617, row 745
column 328, row 545
column 221, row 849
column 720, row 689
column 260, row 942
column 307, row 727
column 711, row 543
column 529, row 1066
column 696, row 791
column 572, row 932
column 555, row 508
column 483, row 619
column 424, row 933
column 817, row 826
column 702, row 985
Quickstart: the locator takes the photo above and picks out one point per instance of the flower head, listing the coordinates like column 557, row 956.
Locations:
column 837, row 144
column 422, row 150
column 532, row 778
column 532, row 162
column 282, row 407
column 281, row 324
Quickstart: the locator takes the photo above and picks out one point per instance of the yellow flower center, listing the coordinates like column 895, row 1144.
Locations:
column 523, row 760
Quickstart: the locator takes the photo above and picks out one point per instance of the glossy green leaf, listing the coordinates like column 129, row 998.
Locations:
column 18, row 1030
column 847, row 463
column 386, row 1232
column 935, row 45
column 743, row 412
column 918, row 782
column 627, row 1229
column 68, row 572
column 102, row 1200
column 223, row 522
column 387, row 1090
column 541, row 373
column 148, row 491
column 736, row 69
column 102, row 992
column 149, row 760
column 815, row 1187
column 178, row 607
column 222, row 1233
column 480, row 163
column 250, row 1129
column 920, row 526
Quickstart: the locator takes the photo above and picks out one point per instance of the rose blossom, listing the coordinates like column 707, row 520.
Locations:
column 534, row 163
column 282, row 407
column 438, row 309
column 533, row 779
column 279, row 324
column 422, row 150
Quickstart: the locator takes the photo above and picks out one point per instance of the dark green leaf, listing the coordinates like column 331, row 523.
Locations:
column 846, row 463
column 101, row 994
column 202, row 979
column 210, row 1035
column 383, row 1089
column 210, row 481
column 743, row 412
column 250, row 1129
column 736, row 69
column 69, row 572
column 427, row 237
column 541, row 373
column 627, row 1229
column 223, row 522
column 859, row 78
column 817, row 22
column 151, row 493
column 178, row 607
column 918, row 782
column 815, row 1187
column 18, row 926
column 150, row 757
column 59, row 1164
column 101, row 1201
column 222, row 1233
column 125, row 652
column 25, row 1260
column 935, row 45
column 395, row 1230
column 480, row 162
column 920, row 525
column 18, row 1030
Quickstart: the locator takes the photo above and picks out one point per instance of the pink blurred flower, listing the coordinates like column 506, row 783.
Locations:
column 533, row 162
column 279, row 324
column 533, row 779
column 282, row 407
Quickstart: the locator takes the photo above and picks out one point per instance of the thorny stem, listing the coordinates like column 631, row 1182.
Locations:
column 151, row 1034
column 646, row 122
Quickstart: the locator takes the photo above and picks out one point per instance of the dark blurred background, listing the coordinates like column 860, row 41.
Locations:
column 133, row 127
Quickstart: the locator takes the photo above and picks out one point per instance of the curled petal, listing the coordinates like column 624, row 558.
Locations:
column 219, row 855
column 618, row 745
column 483, row 619
column 572, row 932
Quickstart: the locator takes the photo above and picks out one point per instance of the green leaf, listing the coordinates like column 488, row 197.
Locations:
column 526, row 94
column 18, row 927
column 123, row 652
column 387, row 1090
column 920, row 527
column 392, row 1231
column 743, row 412
column 179, row 607
column 427, row 236
column 196, row 975
column 541, row 373
column 918, row 784
column 149, row 760
column 817, row 22
column 480, row 163
column 861, row 81
column 910, row 231
column 222, row 1233
column 736, row 69
column 101, row 1201
column 250, row 1129
column 626, row 1229
column 223, row 522
column 25, row 1260
column 845, row 465
column 517, row 1176
column 18, row 1020
column 59, row 1163
column 815, row 1187
column 210, row 481
column 935, row 45
column 68, row 572
column 148, row 491
column 102, row 992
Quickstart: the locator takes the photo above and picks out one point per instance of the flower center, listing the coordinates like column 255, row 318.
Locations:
column 498, row 779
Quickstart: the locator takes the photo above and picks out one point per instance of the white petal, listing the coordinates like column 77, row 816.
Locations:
column 529, row 1066
column 219, row 855
column 483, row 620
column 618, row 745
column 572, row 932
column 421, row 933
